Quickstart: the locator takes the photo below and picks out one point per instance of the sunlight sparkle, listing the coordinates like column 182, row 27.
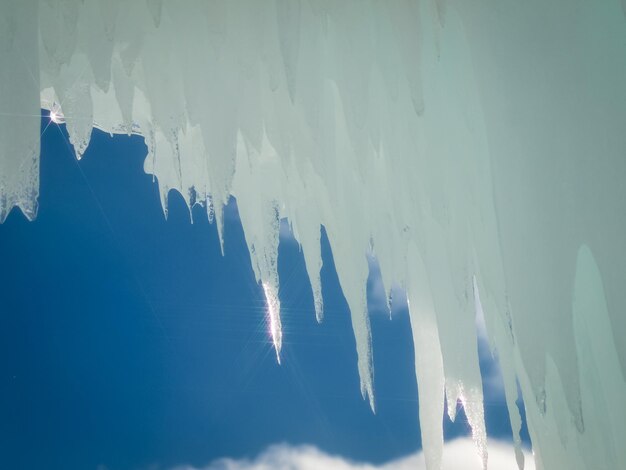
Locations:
column 56, row 115
column 273, row 313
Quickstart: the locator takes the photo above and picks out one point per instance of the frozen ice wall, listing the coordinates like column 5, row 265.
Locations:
column 472, row 147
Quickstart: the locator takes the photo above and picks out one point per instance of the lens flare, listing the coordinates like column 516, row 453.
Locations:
column 273, row 313
column 56, row 115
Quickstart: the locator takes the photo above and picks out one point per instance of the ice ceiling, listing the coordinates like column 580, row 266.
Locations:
column 472, row 146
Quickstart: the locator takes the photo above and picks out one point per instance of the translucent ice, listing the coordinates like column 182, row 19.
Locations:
column 472, row 147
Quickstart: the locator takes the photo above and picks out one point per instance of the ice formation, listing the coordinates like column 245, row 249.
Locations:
column 471, row 146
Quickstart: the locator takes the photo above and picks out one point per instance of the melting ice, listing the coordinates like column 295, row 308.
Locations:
column 472, row 147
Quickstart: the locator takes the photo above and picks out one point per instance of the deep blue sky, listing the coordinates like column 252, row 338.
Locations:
column 129, row 341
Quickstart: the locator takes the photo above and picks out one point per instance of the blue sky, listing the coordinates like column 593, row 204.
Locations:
column 129, row 342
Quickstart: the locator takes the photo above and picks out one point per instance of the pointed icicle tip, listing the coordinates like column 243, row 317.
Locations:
column 273, row 316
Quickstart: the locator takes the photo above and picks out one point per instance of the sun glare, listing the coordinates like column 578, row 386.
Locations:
column 273, row 313
column 56, row 115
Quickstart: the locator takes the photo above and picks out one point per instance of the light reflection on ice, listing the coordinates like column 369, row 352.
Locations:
column 273, row 314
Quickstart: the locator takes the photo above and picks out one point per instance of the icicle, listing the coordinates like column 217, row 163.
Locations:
column 428, row 362
column 19, row 109
column 478, row 135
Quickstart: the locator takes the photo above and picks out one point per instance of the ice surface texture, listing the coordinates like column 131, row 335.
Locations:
column 471, row 146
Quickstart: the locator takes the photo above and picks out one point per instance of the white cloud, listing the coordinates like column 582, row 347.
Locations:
column 459, row 454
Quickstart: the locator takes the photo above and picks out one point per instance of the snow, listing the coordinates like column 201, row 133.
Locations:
column 474, row 148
